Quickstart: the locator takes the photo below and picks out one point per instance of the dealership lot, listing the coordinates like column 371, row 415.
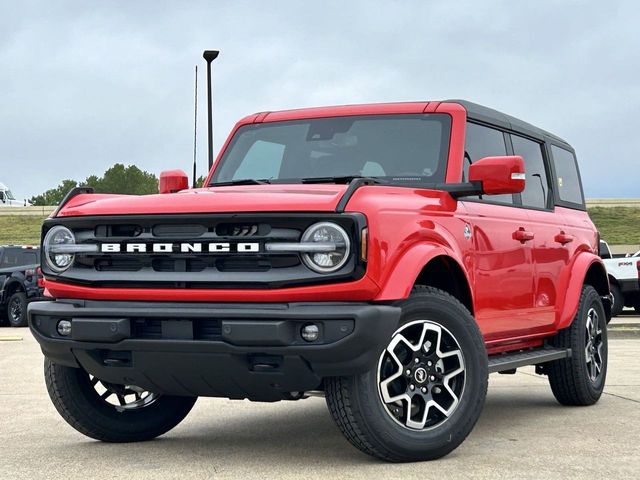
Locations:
column 523, row 432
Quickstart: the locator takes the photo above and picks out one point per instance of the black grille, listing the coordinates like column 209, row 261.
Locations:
column 152, row 329
column 146, row 328
column 188, row 269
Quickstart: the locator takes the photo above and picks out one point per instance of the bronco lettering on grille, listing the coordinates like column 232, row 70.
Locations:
column 216, row 247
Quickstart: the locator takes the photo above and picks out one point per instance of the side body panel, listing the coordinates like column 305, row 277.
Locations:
column 551, row 260
column 502, row 271
column 582, row 254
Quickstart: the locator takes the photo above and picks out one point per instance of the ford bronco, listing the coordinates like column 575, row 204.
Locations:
column 386, row 256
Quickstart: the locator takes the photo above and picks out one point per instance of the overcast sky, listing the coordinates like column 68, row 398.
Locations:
column 84, row 85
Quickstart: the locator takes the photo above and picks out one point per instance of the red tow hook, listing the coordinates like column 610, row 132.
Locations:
column 40, row 280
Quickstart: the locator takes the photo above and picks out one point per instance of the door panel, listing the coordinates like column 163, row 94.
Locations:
column 550, row 259
column 503, row 280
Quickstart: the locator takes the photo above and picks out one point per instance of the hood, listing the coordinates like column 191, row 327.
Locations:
column 245, row 198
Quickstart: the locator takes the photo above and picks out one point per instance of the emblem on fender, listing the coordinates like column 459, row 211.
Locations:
column 467, row 231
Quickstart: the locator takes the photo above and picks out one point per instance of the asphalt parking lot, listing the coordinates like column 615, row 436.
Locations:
column 523, row 432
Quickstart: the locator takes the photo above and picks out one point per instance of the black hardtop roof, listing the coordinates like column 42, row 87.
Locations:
column 499, row 119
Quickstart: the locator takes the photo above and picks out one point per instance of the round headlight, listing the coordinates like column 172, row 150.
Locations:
column 327, row 233
column 57, row 236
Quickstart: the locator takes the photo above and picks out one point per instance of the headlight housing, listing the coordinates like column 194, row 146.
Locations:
column 54, row 251
column 327, row 232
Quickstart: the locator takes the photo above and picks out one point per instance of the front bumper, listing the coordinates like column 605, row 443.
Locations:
column 250, row 351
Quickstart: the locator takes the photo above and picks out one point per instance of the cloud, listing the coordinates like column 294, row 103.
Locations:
column 85, row 85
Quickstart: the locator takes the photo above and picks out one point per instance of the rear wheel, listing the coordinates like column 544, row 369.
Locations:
column 112, row 413
column 618, row 300
column 17, row 310
column 427, row 390
column 580, row 379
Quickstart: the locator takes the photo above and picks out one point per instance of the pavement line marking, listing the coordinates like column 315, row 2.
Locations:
column 621, row 397
column 11, row 338
column 534, row 375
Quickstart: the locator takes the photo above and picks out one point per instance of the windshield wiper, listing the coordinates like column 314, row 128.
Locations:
column 242, row 181
column 343, row 179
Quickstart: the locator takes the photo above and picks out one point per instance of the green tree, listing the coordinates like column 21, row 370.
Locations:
column 54, row 196
column 200, row 180
column 125, row 180
column 117, row 179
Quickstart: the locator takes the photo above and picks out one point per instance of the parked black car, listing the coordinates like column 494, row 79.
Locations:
column 19, row 272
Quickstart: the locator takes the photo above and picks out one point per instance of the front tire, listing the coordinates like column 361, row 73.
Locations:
column 580, row 379
column 17, row 310
column 88, row 405
column 427, row 390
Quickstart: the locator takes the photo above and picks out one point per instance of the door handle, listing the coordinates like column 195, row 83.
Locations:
column 564, row 238
column 523, row 235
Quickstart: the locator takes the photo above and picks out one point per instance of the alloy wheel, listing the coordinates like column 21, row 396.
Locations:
column 15, row 310
column 122, row 397
column 593, row 345
column 421, row 375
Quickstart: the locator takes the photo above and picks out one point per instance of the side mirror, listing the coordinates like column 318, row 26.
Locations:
column 498, row 175
column 172, row 181
column 491, row 176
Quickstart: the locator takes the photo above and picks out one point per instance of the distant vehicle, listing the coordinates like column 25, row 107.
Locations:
column 8, row 200
column 19, row 282
column 624, row 273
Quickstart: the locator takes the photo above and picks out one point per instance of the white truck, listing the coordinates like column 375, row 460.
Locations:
column 7, row 199
column 624, row 278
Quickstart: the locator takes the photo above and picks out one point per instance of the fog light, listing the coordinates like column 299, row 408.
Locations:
column 64, row 328
column 310, row 332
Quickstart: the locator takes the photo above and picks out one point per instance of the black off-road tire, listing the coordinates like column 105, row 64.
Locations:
column 80, row 405
column 356, row 405
column 569, row 378
column 618, row 300
column 17, row 310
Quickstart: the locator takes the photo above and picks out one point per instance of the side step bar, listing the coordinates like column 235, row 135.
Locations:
column 510, row 361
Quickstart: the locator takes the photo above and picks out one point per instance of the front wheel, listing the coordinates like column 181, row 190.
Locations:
column 427, row 390
column 112, row 413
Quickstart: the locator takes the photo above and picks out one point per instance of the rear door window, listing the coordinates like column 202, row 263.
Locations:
column 536, row 190
column 567, row 176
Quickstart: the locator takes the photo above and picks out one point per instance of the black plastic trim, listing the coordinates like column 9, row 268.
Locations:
column 354, row 185
column 265, row 363
column 75, row 191
column 509, row 361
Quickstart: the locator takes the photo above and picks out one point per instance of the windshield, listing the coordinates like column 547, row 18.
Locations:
column 395, row 148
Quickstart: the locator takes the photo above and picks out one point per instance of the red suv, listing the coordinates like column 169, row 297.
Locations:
column 388, row 257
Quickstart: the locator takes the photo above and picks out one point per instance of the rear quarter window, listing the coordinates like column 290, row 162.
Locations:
column 567, row 177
